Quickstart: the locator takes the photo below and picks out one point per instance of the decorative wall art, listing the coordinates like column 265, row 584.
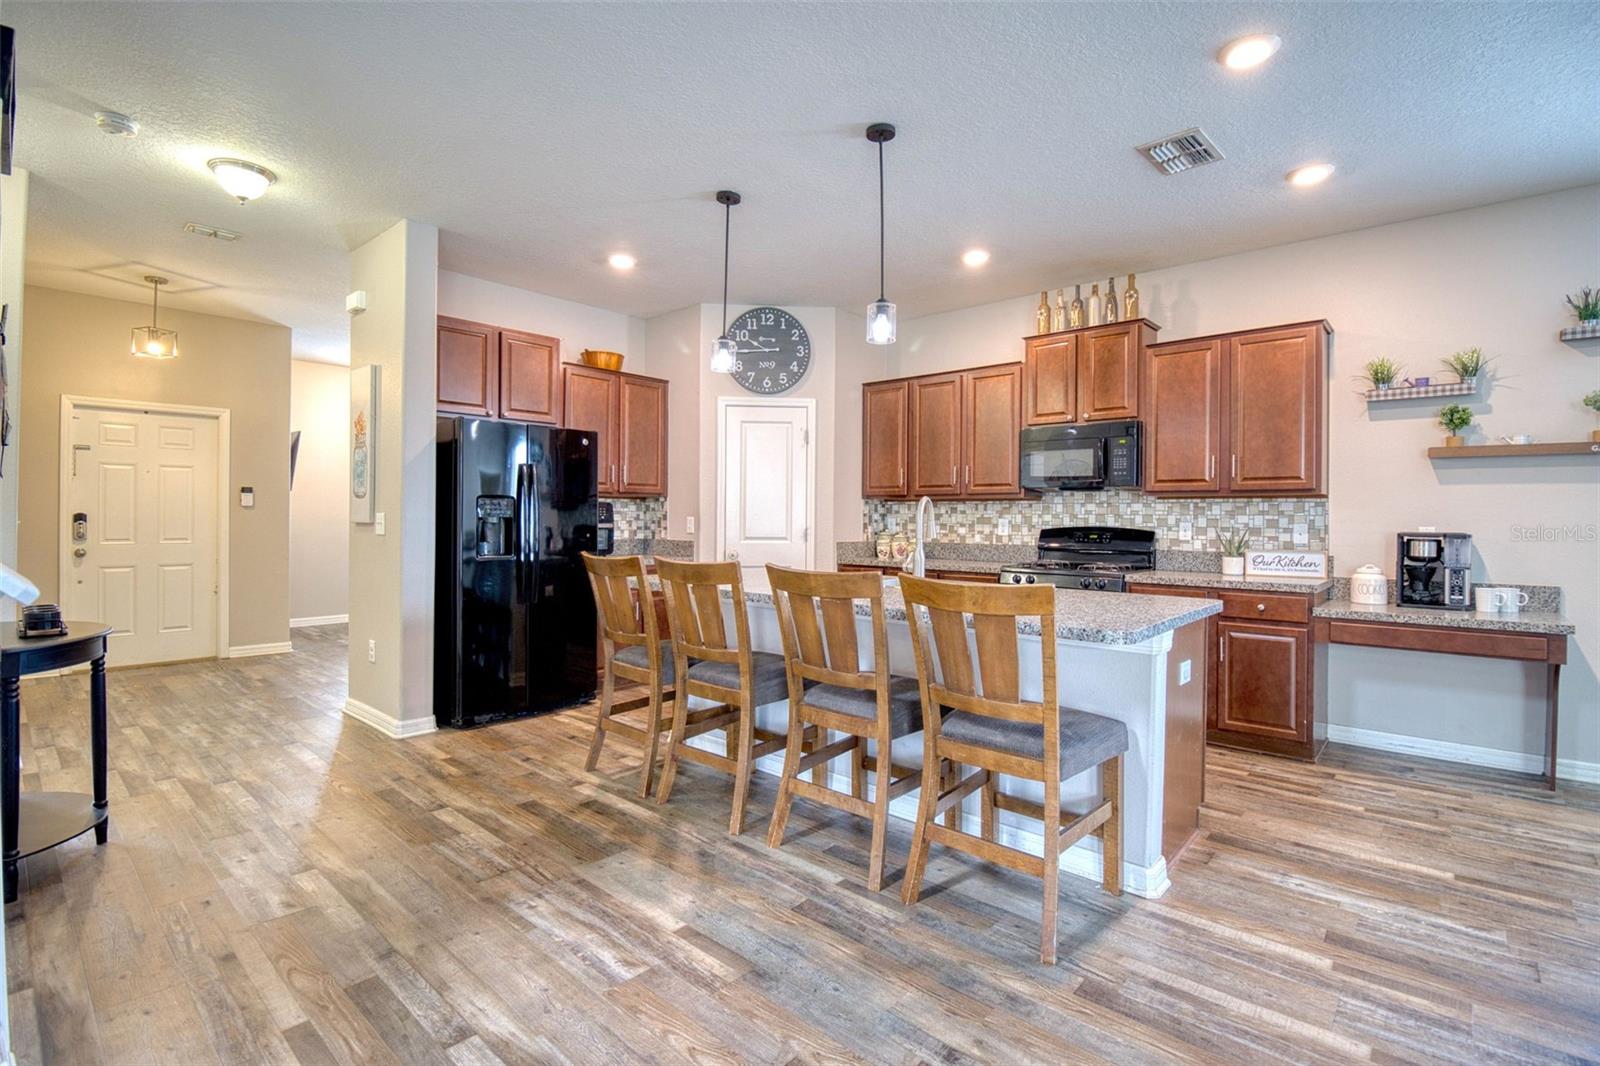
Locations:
column 363, row 444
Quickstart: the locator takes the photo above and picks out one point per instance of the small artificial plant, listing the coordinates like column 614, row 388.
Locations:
column 1382, row 372
column 1234, row 541
column 1592, row 401
column 1454, row 418
column 1467, row 364
column 1587, row 305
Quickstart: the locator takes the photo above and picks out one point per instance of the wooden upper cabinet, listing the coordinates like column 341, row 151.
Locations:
column 991, row 423
column 936, row 403
column 590, row 400
column 642, row 436
column 1108, row 371
column 885, row 416
column 1276, row 415
column 1183, row 416
column 468, row 354
column 530, row 377
column 1050, row 380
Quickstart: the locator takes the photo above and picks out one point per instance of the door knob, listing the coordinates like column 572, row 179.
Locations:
column 733, row 555
column 79, row 553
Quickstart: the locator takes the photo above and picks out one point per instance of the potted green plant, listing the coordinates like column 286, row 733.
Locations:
column 1454, row 418
column 1592, row 402
column 1586, row 306
column 1381, row 372
column 1234, row 542
column 1467, row 364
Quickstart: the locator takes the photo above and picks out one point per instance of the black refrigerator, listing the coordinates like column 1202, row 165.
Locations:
column 514, row 619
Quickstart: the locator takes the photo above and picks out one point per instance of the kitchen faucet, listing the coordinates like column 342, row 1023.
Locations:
column 919, row 555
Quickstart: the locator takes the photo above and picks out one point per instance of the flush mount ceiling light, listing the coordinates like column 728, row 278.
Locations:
column 880, row 313
column 622, row 261
column 153, row 342
column 724, row 353
column 116, row 124
column 243, row 181
column 974, row 257
column 200, row 229
column 1248, row 52
column 1310, row 174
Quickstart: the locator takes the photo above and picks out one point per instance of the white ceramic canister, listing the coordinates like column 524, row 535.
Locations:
column 1368, row 585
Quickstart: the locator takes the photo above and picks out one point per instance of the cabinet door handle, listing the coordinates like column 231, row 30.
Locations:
column 624, row 471
column 1222, row 649
column 1211, row 466
column 1236, row 466
column 613, row 473
column 969, row 476
column 955, row 476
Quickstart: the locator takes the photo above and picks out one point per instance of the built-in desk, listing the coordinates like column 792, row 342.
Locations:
column 1531, row 636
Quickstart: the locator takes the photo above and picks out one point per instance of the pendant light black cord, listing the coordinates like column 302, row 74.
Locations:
column 881, row 287
column 727, row 225
column 155, row 293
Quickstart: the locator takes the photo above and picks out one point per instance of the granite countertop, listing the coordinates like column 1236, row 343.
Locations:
column 1549, row 623
column 1212, row 580
column 1091, row 617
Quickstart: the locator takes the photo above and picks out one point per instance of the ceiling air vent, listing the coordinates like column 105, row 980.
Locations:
column 1181, row 151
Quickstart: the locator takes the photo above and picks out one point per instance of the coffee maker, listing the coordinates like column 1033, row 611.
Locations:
column 1434, row 570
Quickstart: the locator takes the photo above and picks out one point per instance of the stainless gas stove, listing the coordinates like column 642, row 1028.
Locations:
column 1086, row 557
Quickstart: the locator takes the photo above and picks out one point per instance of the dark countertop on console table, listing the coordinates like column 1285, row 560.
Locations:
column 1548, row 623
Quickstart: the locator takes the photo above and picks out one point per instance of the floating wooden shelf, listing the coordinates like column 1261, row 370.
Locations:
column 1495, row 451
column 1422, row 392
column 1585, row 332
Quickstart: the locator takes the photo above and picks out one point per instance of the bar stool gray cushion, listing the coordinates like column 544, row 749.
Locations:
column 1086, row 739
column 905, row 703
column 770, row 683
column 637, row 655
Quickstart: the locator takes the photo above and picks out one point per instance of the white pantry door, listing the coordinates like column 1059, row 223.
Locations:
column 767, row 486
column 146, row 484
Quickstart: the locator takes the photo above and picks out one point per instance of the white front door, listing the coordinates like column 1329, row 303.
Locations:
column 143, row 485
column 766, row 503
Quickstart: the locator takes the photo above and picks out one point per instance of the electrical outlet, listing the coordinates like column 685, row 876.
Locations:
column 1302, row 535
column 688, row 524
column 372, row 651
column 1185, row 671
column 377, row 523
column 894, row 524
column 1186, row 529
column 1005, row 526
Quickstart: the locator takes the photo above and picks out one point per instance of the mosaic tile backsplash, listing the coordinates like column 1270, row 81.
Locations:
column 1271, row 520
column 640, row 519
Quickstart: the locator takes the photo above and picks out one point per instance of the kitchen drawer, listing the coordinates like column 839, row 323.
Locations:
column 1170, row 590
column 1266, row 606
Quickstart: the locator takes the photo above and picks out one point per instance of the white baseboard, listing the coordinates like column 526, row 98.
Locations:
column 319, row 620
column 388, row 725
column 1497, row 758
column 246, row 651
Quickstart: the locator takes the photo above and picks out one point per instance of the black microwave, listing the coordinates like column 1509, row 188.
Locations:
column 1094, row 455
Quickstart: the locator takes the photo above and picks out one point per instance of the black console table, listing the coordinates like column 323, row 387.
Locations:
column 36, row 821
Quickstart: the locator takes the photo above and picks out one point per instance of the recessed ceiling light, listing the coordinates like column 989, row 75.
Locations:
column 243, row 181
column 1249, row 52
column 116, row 124
column 622, row 261
column 974, row 257
column 1310, row 174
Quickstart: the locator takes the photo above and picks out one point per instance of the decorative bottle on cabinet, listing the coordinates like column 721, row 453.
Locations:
column 1058, row 317
column 1094, row 304
column 1130, row 302
column 1041, row 318
column 1075, row 312
column 1110, row 312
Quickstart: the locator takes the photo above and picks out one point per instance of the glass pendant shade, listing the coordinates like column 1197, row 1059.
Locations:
column 153, row 342
column 724, row 355
column 880, row 322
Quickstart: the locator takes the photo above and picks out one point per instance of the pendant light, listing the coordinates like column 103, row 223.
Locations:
column 153, row 342
column 880, row 313
column 724, row 353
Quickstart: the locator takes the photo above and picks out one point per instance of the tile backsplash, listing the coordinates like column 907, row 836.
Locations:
column 643, row 519
column 1271, row 520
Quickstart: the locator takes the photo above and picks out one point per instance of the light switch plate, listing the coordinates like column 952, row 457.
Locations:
column 377, row 523
column 1186, row 529
column 688, row 524
column 1185, row 671
column 1005, row 526
column 1302, row 535
column 372, row 651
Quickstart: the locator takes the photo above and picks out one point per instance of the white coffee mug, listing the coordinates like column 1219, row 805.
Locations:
column 1486, row 599
column 1509, row 600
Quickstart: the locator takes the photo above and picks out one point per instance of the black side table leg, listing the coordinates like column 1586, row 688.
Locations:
column 97, row 742
column 10, row 775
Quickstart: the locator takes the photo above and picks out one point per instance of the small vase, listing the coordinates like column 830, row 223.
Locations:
column 1594, row 435
column 1233, row 566
column 1454, row 442
column 1384, row 386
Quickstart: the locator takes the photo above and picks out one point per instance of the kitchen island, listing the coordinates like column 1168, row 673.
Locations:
column 1139, row 659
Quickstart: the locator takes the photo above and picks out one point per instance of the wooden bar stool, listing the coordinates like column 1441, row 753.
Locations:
column 829, row 689
column 730, row 674
column 631, row 648
column 989, row 726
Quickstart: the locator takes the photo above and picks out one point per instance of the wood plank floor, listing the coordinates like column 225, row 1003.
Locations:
column 285, row 885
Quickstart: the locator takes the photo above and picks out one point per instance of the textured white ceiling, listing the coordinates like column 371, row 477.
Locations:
column 541, row 137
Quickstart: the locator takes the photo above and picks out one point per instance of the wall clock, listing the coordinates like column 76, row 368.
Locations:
column 774, row 350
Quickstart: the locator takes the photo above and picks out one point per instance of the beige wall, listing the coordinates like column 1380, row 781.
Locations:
column 319, row 502
column 13, row 244
column 78, row 344
column 578, row 326
column 1492, row 277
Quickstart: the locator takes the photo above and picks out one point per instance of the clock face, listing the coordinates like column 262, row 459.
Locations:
column 774, row 350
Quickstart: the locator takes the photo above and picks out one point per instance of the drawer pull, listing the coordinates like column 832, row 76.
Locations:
column 1261, row 607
